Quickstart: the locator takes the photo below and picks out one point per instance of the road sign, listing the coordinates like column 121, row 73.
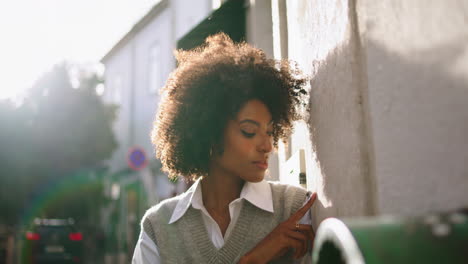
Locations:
column 136, row 158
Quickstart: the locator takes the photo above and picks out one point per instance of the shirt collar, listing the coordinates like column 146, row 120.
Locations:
column 185, row 201
column 258, row 194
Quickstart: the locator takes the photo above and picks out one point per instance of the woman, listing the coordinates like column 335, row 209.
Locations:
column 222, row 112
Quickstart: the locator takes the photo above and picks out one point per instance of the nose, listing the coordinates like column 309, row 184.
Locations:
column 266, row 144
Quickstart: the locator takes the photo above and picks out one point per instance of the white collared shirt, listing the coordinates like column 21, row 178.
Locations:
column 258, row 194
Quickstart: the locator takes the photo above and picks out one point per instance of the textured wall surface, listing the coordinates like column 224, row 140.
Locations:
column 389, row 104
column 417, row 63
column 323, row 39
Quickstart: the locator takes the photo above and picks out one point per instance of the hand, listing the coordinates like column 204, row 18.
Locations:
column 288, row 234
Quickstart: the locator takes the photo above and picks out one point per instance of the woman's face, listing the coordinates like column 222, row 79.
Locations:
column 247, row 143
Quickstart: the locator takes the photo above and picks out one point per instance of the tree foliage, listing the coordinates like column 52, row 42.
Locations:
column 56, row 130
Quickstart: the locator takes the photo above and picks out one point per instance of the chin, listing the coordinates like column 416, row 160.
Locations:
column 255, row 178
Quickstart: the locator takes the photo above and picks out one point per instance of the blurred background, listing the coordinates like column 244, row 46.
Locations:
column 387, row 131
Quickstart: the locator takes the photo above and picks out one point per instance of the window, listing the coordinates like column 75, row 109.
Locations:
column 154, row 68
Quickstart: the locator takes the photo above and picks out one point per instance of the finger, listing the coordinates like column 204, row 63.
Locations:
column 297, row 245
column 303, row 210
column 310, row 240
column 302, row 227
column 306, row 229
column 311, row 236
column 297, row 235
column 305, row 246
column 303, row 239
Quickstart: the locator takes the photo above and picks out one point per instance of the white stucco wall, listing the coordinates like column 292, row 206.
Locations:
column 323, row 40
column 389, row 104
column 417, row 64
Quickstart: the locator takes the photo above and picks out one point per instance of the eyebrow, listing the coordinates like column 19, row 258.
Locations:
column 253, row 122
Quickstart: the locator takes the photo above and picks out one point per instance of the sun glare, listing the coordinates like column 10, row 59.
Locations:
column 48, row 32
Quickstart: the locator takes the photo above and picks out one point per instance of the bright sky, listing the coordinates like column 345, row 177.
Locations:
column 36, row 34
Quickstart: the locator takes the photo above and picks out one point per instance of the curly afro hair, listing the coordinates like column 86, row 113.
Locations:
column 209, row 86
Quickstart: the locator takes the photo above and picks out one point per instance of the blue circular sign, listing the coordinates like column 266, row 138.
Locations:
column 137, row 158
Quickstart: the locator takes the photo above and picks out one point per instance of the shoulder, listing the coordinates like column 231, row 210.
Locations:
column 287, row 198
column 287, row 190
column 160, row 212
column 156, row 219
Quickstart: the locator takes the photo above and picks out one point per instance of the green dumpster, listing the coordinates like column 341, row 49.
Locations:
column 436, row 238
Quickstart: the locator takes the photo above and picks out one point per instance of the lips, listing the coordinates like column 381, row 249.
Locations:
column 261, row 164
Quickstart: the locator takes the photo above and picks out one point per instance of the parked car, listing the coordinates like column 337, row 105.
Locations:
column 53, row 241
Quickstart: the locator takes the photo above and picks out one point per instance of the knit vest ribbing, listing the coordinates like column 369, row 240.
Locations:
column 187, row 241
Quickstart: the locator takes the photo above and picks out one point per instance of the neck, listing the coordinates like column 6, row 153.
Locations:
column 220, row 188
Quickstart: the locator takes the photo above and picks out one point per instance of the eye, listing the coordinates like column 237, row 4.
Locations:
column 247, row 134
column 270, row 133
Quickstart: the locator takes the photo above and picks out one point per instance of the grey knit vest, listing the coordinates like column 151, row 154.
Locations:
column 187, row 241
